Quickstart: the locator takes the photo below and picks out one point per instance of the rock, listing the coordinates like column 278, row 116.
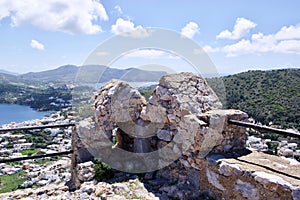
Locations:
column 229, row 169
column 88, row 187
column 86, row 171
column 84, row 196
column 50, row 177
column 182, row 83
column 26, row 184
column 40, row 192
column 227, row 147
column 267, row 179
column 296, row 193
column 120, row 187
column 185, row 163
column 102, row 188
column 178, row 138
column 154, row 113
column 163, row 93
column 149, row 176
column 212, row 178
column 164, row 135
column 42, row 182
column 247, row 189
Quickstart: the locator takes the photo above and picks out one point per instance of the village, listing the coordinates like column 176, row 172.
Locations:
column 40, row 171
column 282, row 147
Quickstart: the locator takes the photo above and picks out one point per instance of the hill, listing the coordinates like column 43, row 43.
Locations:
column 2, row 71
column 65, row 73
column 267, row 96
column 71, row 73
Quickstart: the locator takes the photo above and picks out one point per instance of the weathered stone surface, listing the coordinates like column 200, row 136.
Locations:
column 85, row 171
column 154, row 113
column 131, row 189
column 267, row 179
column 184, row 85
column 247, row 189
column 247, row 178
column 180, row 113
column 227, row 169
column 296, row 193
column 164, row 135
column 212, row 178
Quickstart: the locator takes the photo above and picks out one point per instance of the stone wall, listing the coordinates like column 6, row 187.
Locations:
column 183, row 126
column 253, row 176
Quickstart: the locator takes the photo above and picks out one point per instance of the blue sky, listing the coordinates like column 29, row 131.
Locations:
column 237, row 35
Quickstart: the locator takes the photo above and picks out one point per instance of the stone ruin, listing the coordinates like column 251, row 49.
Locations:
column 180, row 138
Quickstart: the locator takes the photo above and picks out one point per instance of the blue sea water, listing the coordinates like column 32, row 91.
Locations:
column 17, row 113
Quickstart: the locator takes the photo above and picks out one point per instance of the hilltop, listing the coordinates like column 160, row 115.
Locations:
column 267, row 96
column 69, row 73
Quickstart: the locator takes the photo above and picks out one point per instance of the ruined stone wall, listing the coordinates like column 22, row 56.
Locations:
column 253, row 176
column 184, row 127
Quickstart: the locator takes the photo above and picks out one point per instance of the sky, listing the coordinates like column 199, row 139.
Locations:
column 237, row 35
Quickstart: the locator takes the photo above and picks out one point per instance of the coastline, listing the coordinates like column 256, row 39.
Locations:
column 19, row 113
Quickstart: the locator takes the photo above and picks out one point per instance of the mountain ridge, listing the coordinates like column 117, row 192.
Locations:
column 71, row 73
column 3, row 71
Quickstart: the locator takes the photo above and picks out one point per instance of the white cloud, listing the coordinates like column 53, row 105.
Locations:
column 240, row 29
column 190, row 30
column 288, row 46
column 74, row 16
column 209, row 49
column 151, row 54
column 286, row 40
column 118, row 9
column 146, row 53
column 260, row 43
column 128, row 28
column 122, row 26
column 37, row 45
column 4, row 9
column 239, row 48
column 290, row 32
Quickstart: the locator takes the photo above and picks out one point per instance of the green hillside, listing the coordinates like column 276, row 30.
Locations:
column 267, row 96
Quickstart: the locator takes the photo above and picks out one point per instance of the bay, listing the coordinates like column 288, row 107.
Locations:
column 17, row 113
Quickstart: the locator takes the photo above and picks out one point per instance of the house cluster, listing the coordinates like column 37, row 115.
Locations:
column 14, row 144
column 288, row 149
column 283, row 147
column 59, row 102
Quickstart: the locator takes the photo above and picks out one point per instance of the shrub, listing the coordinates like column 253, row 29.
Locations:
column 102, row 170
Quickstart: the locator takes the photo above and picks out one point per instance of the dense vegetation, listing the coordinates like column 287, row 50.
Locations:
column 267, row 96
column 102, row 171
column 43, row 97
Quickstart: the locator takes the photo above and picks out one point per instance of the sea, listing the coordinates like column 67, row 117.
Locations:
column 17, row 113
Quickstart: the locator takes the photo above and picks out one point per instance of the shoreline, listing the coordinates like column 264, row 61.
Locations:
column 15, row 113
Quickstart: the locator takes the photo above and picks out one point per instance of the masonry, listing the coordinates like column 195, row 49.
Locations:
column 181, row 140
